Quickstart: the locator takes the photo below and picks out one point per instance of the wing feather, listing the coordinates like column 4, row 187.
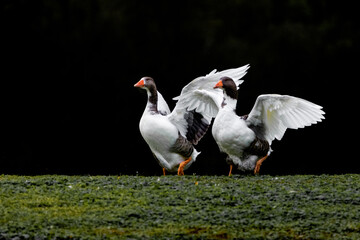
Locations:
column 192, row 97
column 163, row 107
column 275, row 113
column 200, row 98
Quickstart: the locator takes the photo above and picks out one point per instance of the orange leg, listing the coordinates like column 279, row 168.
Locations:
column 164, row 171
column 182, row 165
column 231, row 167
column 258, row 164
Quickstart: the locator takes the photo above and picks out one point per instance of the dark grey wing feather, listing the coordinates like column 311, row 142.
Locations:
column 183, row 147
column 197, row 126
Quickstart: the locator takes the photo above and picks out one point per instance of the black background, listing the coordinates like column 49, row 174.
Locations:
column 68, row 68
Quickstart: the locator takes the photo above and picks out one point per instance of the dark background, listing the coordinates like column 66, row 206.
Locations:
column 68, row 68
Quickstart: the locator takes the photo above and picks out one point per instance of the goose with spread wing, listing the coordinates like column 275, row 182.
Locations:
column 171, row 136
column 247, row 139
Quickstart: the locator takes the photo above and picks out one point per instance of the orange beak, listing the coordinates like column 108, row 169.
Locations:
column 140, row 83
column 219, row 84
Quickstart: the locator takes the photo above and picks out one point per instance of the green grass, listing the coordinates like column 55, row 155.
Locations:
column 195, row 207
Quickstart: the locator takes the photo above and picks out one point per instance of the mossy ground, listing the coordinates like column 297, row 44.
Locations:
column 170, row 207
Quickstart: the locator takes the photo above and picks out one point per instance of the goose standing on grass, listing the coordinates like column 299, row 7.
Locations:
column 171, row 136
column 247, row 139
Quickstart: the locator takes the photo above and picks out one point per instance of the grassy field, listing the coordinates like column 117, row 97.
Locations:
column 172, row 207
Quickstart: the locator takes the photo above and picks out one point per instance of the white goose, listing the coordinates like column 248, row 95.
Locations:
column 171, row 135
column 247, row 139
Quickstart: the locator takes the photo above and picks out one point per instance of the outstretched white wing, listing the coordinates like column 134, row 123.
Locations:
column 272, row 114
column 199, row 98
column 200, row 94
